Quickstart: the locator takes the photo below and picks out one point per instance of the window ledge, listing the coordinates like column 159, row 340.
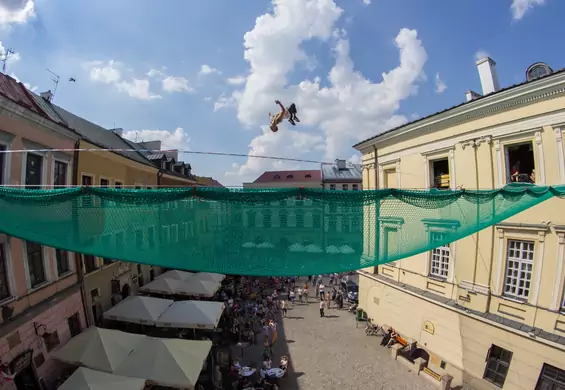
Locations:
column 515, row 300
column 65, row 275
column 523, row 226
column 438, row 278
column 38, row 287
column 8, row 300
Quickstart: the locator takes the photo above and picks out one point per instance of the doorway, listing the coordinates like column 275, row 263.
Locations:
column 26, row 380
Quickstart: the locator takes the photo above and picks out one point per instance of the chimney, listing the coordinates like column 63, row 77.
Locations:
column 119, row 131
column 472, row 95
column 487, row 73
column 340, row 164
column 47, row 96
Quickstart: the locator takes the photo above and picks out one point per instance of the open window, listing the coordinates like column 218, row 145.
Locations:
column 439, row 174
column 497, row 365
column 520, row 163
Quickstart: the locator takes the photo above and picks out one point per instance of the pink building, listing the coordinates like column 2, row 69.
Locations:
column 40, row 296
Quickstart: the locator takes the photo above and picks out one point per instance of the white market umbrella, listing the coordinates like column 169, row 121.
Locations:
column 313, row 249
column 207, row 277
column 199, row 288
column 175, row 274
column 332, row 250
column 249, row 245
column 162, row 286
column 97, row 348
column 87, row 379
column 138, row 310
column 346, row 249
column 297, row 248
column 167, row 362
column 265, row 245
column 192, row 315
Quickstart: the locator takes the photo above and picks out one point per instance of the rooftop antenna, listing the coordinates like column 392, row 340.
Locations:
column 55, row 80
column 4, row 60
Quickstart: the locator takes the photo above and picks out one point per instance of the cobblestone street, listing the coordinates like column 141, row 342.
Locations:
column 330, row 353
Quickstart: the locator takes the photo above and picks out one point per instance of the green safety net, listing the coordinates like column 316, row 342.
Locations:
column 258, row 232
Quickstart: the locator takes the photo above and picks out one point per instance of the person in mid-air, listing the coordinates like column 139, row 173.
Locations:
column 285, row 113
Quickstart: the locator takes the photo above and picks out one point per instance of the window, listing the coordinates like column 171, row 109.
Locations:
column 4, row 283
column 355, row 187
column 316, row 220
column 308, row 176
column 537, row 70
column 120, row 241
column 118, row 184
column 139, row 239
column 2, row 165
column 391, row 178
column 60, row 174
column 166, row 235
column 63, row 265
column 35, row 264
column 74, row 325
column 332, row 187
column 34, row 167
column 86, row 181
column 51, row 340
column 104, row 183
column 439, row 174
column 175, row 233
column 520, row 163
column 390, row 243
column 151, row 236
column 551, row 378
column 277, row 177
column 283, row 218
column 267, row 218
column 345, row 187
column 439, row 257
column 520, row 264
column 89, row 263
column 498, row 362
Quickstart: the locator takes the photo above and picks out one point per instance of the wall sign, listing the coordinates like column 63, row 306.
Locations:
column 429, row 327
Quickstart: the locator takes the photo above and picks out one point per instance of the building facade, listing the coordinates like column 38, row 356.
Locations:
column 40, row 296
column 342, row 175
column 287, row 179
column 489, row 309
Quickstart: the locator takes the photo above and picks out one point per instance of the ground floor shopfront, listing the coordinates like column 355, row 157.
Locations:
column 475, row 350
column 25, row 351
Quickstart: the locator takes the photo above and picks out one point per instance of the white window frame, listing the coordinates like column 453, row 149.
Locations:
column 138, row 184
column 6, row 241
column 441, row 256
column 393, row 165
column 441, row 226
column 166, row 237
column 100, row 178
column 91, row 175
column 69, row 178
column 174, row 233
column 500, row 146
column 526, row 233
column 70, row 259
column 332, row 187
column 345, row 187
column 116, row 182
column 47, row 269
column 522, row 247
column 6, row 174
column 560, row 151
column 387, row 223
column 435, row 155
column 44, row 162
column 355, row 187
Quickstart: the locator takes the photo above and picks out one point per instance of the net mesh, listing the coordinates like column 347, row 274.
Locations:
column 257, row 232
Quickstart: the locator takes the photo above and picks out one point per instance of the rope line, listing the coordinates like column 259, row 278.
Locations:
column 165, row 151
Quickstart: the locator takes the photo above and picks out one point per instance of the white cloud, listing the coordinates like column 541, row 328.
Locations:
column 480, row 54
column 176, row 84
column 208, row 98
column 224, row 101
column 440, row 84
column 108, row 73
column 366, row 2
column 155, row 73
column 138, row 89
column 207, row 69
column 16, row 12
column 27, row 85
column 237, row 80
column 520, row 7
column 349, row 109
column 177, row 139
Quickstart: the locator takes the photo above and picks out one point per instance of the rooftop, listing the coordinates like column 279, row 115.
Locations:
column 351, row 173
column 313, row 175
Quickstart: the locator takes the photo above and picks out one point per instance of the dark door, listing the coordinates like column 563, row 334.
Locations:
column 26, row 380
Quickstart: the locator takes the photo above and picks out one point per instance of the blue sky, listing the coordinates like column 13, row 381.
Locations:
column 203, row 75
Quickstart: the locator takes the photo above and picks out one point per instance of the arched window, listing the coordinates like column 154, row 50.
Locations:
column 277, row 177
column 308, row 176
column 537, row 71
column 290, row 177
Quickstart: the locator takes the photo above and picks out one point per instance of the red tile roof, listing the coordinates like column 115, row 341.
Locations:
column 17, row 93
column 290, row 176
column 208, row 182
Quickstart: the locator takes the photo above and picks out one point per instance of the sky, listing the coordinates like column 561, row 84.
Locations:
column 203, row 75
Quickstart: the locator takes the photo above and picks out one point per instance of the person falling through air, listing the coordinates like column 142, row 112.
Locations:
column 285, row 113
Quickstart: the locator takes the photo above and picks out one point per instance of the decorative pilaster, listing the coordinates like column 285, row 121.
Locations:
column 452, row 168
column 426, row 167
column 540, row 163
column 538, row 267
column 499, row 262
column 558, row 288
column 560, row 156
column 499, row 164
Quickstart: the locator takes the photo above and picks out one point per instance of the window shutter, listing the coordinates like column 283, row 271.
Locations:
column 489, row 354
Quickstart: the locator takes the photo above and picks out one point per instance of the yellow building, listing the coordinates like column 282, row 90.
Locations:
column 489, row 309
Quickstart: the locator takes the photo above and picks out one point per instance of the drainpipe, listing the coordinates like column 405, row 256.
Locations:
column 78, row 257
column 377, row 210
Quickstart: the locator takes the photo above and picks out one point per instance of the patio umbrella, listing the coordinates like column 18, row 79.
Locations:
column 265, row 245
column 97, row 348
column 175, row 274
column 199, row 288
column 313, row 249
column 162, row 286
column 207, row 277
column 138, row 310
column 87, row 379
column 297, row 248
column 167, row 362
column 192, row 315
column 346, row 249
column 249, row 245
column 332, row 250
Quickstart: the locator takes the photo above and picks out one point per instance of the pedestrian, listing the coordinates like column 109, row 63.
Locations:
column 321, row 287
column 284, row 309
column 322, row 306
column 291, row 296
column 329, row 298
